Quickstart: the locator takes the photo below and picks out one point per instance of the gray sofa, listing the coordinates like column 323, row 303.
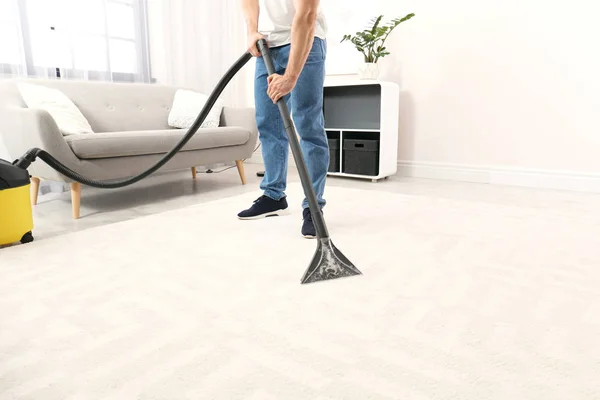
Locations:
column 131, row 133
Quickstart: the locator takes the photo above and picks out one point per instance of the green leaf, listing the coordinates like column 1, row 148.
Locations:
column 397, row 21
column 366, row 36
column 376, row 24
column 382, row 30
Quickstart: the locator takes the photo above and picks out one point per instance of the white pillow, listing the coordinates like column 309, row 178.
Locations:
column 187, row 105
column 68, row 117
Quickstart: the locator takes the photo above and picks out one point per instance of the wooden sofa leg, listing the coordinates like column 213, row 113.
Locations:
column 240, row 167
column 35, row 189
column 76, row 199
column 194, row 172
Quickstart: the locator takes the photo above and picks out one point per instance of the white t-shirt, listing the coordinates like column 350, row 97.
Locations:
column 276, row 18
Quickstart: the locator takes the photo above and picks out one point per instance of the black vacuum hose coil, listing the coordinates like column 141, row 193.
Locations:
column 35, row 153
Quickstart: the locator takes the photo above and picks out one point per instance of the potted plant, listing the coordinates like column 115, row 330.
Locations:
column 371, row 43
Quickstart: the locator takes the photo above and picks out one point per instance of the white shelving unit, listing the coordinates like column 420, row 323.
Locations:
column 363, row 110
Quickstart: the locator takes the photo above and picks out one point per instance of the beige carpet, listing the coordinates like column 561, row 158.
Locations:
column 458, row 301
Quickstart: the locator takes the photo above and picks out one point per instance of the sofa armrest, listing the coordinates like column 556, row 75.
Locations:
column 242, row 117
column 25, row 128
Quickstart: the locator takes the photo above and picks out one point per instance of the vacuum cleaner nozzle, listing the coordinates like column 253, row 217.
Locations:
column 328, row 263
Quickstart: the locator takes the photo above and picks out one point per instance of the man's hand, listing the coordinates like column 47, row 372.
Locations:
column 253, row 38
column 280, row 86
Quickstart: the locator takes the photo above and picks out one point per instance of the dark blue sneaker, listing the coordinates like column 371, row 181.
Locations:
column 308, row 226
column 265, row 207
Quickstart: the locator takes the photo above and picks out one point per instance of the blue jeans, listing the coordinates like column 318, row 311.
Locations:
column 306, row 106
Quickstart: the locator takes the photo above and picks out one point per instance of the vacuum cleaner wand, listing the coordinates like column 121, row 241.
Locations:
column 328, row 262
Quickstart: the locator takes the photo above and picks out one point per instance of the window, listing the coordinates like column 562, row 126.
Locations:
column 88, row 39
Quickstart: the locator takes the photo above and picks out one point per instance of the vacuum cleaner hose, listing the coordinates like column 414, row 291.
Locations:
column 34, row 153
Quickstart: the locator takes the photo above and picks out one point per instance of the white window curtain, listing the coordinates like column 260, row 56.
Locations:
column 194, row 42
column 75, row 39
column 11, row 50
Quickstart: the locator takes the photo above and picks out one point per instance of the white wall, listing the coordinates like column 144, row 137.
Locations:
column 509, row 84
column 3, row 151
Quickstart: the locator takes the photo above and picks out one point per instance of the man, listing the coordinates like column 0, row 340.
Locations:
column 295, row 31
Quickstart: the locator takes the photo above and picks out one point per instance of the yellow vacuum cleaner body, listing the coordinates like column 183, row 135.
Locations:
column 16, row 214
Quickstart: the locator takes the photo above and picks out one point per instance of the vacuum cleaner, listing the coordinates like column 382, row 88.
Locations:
column 16, row 220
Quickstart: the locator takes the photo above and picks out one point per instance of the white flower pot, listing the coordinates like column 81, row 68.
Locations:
column 368, row 71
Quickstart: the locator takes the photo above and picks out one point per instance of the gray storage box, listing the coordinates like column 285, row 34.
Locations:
column 361, row 156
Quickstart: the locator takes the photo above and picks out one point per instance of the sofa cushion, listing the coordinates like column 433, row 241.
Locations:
column 186, row 107
column 136, row 143
column 68, row 118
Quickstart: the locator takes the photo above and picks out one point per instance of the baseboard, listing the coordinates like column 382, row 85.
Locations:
column 541, row 179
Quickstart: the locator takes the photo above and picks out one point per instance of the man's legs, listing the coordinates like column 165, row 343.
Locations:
column 272, row 133
column 274, row 145
column 307, row 112
column 306, row 105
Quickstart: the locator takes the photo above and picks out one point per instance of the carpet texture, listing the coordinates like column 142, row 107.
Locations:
column 459, row 300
